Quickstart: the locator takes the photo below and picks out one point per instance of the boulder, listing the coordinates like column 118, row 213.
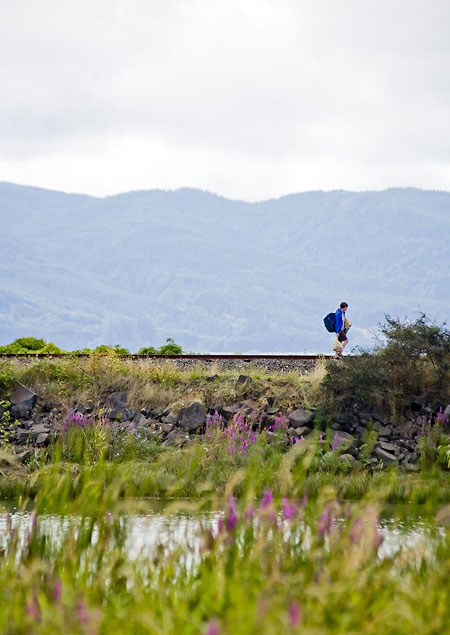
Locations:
column 42, row 438
column 348, row 421
column 21, row 435
column 388, row 447
column 383, row 431
column 176, row 438
column 348, row 458
column 167, row 427
column 379, row 415
column 117, row 400
column 243, row 380
column 37, row 429
column 300, row 417
column 384, row 456
column 192, row 418
column 23, row 401
column 299, row 432
column 447, row 412
column 128, row 414
column 228, row 412
column 411, row 467
column 169, row 419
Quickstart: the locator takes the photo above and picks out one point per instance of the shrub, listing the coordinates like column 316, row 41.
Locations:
column 170, row 348
column 415, row 360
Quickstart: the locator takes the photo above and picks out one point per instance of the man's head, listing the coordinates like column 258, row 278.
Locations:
column 343, row 306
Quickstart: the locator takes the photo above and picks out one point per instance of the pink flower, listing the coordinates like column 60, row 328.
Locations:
column 294, row 614
column 249, row 513
column 289, row 508
column 212, row 628
column 267, row 499
column 57, row 589
column 33, row 609
column 232, row 514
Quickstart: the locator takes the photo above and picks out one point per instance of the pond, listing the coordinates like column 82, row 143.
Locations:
column 171, row 525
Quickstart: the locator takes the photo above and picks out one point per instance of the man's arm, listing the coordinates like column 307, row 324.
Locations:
column 339, row 322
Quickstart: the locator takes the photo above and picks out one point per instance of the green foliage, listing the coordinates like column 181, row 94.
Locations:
column 415, row 360
column 170, row 348
column 30, row 343
column 5, row 424
column 268, row 566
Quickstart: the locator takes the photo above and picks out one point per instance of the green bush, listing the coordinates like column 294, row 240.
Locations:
column 415, row 360
column 30, row 343
column 170, row 348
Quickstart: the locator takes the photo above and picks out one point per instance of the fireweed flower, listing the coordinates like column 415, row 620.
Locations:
column 232, row 517
column 294, row 614
column 266, row 500
column 57, row 589
column 212, row 628
column 249, row 513
column 336, row 441
column 325, row 524
column 33, row 609
column 289, row 509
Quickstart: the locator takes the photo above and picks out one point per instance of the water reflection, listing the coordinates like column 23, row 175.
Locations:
column 155, row 531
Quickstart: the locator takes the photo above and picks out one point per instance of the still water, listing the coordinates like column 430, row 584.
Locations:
column 172, row 525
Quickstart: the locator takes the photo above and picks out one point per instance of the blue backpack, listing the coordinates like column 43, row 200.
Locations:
column 330, row 322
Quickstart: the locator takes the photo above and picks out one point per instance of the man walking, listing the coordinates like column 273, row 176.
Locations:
column 341, row 327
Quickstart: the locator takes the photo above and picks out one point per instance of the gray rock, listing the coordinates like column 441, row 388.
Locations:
column 243, row 380
column 21, row 435
column 192, row 418
column 383, row 431
column 128, row 414
column 384, row 456
column 147, row 412
column 336, row 426
column 365, row 417
column 388, row 447
column 298, row 432
column 176, row 438
column 348, row 458
column 170, row 419
column 447, row 412
column 348, row 421
column 37, row 429
column 300, row 417
column 379, row 415
column 228, row 412
column 117, row 400
column 23, row 401
column 42, row 438
column 115, row 414
column 411, row 467
column 167, row 427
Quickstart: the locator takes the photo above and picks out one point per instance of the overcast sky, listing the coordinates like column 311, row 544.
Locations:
column 247, row 98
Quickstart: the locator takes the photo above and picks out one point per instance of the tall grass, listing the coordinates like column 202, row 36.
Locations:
column 265, row 565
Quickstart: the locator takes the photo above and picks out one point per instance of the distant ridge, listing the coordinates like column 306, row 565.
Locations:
column 214, row 273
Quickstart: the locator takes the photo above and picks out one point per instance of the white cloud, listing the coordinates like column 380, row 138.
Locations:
column 251, row 99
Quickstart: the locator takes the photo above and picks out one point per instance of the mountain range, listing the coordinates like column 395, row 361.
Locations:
column 218, row 275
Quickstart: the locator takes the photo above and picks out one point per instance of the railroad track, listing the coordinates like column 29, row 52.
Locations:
column 193, row 357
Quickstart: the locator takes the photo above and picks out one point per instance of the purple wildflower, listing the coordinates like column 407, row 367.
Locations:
column 57, row 589
column 294, row 614
column 326, row 520
column 33, row 609
column 212, row 628
column 336, row 441
column 289, row 508
column 267, row 499
column 249, row 513
column 232, row 514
